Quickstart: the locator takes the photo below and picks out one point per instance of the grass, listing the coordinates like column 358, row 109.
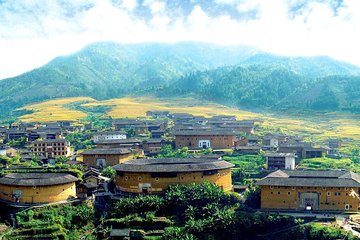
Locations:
column 54, row 110
column 314, row 127
column 325, row 163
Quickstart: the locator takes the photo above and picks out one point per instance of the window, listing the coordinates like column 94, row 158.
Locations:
column 139, row 178
column 292, row 188
column 337, row 193
column 346, row 188
column 271, row 192
column 288, row 193
column 126, row 178
column 157, row 179
column 347, row 206
column 328, row 193
column 278, row 192
column 271, row 187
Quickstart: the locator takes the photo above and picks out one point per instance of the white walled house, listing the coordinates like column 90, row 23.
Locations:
column 109, row 135
column 276, row 160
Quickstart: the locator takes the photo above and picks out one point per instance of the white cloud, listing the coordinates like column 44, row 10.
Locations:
column 34, row 32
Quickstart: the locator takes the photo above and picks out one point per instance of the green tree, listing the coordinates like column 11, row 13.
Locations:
column 109, row 172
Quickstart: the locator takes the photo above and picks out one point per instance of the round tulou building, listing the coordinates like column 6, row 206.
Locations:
column 155, row 175
column 33, row 188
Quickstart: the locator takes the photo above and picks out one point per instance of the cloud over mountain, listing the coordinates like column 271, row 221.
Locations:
column 34, row 32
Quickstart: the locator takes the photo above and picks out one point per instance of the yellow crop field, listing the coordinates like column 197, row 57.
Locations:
column 317, row 127
column 137, row 107
column 54, row 110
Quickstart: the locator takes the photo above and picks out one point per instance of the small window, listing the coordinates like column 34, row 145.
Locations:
column 218, row 174
column 346, row 188
column 278, row 192
column 126, row 178
column 324, row 188
column 271, row 187
column 271, row 192
column 292, row 188
column 157, row 179
column 139, row 178
column 347, row 206
column 328, row 193
column 289, row 193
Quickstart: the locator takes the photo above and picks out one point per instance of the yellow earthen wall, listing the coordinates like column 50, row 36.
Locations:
column 129, row 182
column 111, row 160
column 275, row 197
column 39, row 194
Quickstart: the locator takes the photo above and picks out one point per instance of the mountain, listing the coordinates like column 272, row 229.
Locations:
column 107, row 70
column 318, row 66
column 236, row 75
column 271, row 86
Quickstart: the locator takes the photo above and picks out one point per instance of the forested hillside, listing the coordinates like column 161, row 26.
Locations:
column 108, row 70
column 234, row 75
column 274, row 87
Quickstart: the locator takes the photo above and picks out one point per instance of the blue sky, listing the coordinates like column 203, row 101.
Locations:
column 32, row 32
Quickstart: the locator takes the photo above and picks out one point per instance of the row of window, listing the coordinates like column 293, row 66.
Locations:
column 157, row 178
column 45, row 149
column 223, row 138
column 327, row 193
column 323, row 188
column 48, row 144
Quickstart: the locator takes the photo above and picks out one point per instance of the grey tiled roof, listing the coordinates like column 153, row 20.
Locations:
column 173, row 165
column 311, row 178
column 112, row 151
column 119, row 141
column 37, row 179
column 203, row 133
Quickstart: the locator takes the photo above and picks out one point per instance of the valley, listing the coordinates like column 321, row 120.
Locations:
column 315, row 127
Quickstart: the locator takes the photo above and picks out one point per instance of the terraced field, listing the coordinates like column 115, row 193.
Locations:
column 313, row 126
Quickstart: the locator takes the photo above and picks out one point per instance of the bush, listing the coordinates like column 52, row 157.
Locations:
column 137, row 205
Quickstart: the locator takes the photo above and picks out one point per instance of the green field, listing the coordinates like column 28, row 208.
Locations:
column 314, row 126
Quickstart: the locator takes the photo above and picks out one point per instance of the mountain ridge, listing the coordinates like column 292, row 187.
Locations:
column 106, row 70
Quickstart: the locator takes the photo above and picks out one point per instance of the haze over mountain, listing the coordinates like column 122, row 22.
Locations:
column 240, row 76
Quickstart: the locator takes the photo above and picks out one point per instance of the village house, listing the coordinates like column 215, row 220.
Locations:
column 109, row 135
column 158, row 133
column 270, row 142
column 153, row 145
column 92, row 183
column 14, row 134
column 276, row 160
column 239, row 127
column 43, row 134
column 181, row 117
column 253, row 140
column 155, row 175
column 51, row 148
column 223, row 118
column 103, row 157
column 139, row 126
column 334, row 143
column 157, row 114
column 35, row 188
column 204, row 139
column 132, row 143
column 313, row 152
column 333, row 190
column 250, row 149
column 296, row 148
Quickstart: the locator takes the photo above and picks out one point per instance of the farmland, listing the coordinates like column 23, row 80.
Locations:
column 318, row 127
